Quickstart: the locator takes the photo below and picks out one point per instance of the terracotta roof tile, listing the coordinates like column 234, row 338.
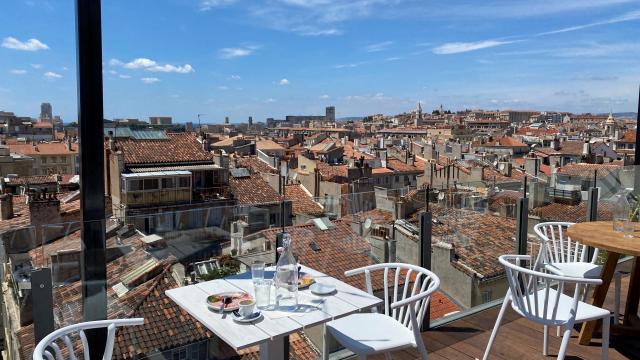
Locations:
column 252, row 190
column 178, row 148
column 255, row 164
column 56, row 148
column 302, row 201
column 572, row 213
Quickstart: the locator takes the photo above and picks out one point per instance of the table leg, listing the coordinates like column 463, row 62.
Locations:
column 275, row 349
column 599, row 294
column 631, row 308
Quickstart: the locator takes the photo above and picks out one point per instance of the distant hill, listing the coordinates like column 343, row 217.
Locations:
column 626, row 115
column 349, row 118
column 622, row 115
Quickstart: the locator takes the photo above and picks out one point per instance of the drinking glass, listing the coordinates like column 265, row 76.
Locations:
column 263, row 293
column 257, row 271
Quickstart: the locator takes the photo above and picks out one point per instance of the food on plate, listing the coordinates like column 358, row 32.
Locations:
column 215, row 301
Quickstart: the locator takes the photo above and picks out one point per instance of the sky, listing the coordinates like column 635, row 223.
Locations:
column 271, row 58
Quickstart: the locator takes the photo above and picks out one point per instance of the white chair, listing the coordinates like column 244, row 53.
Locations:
column 532, row 295
column 561, row 256
column 63, row 338
column 399, row 327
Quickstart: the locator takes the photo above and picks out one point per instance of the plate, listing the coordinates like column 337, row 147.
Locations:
column 214, row 302
column 322, row 289
column 255, row 316
column 305, row 280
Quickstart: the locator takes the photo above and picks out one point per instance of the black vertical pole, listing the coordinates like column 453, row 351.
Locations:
column 522, row 220
column 426, row 233
column 636, row 159
column 90, row 118
column 41, row 289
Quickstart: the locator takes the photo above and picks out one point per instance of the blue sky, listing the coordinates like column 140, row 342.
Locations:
column 271, row 58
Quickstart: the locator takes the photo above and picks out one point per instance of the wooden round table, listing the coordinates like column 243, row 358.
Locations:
column 600, row 234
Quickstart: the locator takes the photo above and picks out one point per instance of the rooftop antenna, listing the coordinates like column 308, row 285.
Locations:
column 199, row 120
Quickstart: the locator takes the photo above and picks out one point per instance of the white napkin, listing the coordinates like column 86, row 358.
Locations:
column 306, row 303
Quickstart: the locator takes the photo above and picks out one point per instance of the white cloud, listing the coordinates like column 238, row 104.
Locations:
column 210, row 4
column 115, row 62
column 378, row 46
column 311, row 31
column 113, row 72
column 461, row 47
column 324, row 97
column 284, row 82
column 123, row 76
column 235, row 52
column 630, row 16
column 234, row 77
column 270, row 100
column 393, row 58
column 18, row 71
column 351, row 65
column 149, row 80
column 151, row 65
column 52, row 75
column 29, row 45
column 36, row 66
column 223, row 87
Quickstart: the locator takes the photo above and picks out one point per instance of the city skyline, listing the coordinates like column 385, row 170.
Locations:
column 269, row 59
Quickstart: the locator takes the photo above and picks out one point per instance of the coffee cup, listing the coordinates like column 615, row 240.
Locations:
column 246, row 307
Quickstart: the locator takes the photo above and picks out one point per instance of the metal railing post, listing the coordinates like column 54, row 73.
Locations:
column 522, row 225
column 592, row 213
column 426, row 234
column 41, row 289
column 93, row 268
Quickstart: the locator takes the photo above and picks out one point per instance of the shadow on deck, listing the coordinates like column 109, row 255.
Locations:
column 518, row 338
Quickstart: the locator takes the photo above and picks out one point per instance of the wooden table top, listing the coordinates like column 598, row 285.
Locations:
column 600, row 234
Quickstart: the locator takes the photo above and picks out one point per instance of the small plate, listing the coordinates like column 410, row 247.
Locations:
column 255, row 316
column 214, row 301
column 305, row 280
column 322, row 289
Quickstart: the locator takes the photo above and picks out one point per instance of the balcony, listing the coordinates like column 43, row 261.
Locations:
column 149, row 253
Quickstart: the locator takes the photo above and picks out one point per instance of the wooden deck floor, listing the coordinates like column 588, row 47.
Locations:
column 517, row 339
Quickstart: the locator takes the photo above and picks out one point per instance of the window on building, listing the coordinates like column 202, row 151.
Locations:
column 135, row 185
column 43, row 159
column 183, row 182
column 168, row 183
column 63, row 159
column 151, row 184
column 487, row 296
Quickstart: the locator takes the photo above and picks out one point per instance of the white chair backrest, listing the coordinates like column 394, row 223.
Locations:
column 412, row 287
column 536, row 295
column 64, row 342
column 557, row 247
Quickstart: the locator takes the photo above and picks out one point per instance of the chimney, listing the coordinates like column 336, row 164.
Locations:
column 112, row 143
column 532, row 165
column 44, row 210
column 586, row 148
column 205, row 142
column 6, row 206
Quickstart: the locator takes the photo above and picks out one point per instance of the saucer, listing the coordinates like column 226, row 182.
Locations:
column 322, row 289
column 241, row 319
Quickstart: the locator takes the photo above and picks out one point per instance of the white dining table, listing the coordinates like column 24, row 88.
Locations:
column 269, row 332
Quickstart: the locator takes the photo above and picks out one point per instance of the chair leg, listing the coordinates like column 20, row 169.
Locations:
column 565, row 342
column 494, row 332
column 616, row 303
column 605, row 338
column 558, row 331
column 387, row 356
column 545, row 340
column 325, row 343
